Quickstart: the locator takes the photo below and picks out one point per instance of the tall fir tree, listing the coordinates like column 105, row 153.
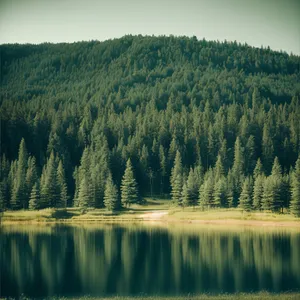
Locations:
column 49, row 191
column 258, row 191
column 62, row 187
column 219, row 168
column 186, row 201
column 84, row 194
column 129, row 192
column 34, row 199
column 192, row 185
column 111, row 198
column 177, row 180
column 31, row 174
column 258, row 170
column 295, row 190
column 268, row 194
column 220, row 193
column 19, row 198
column 206, row 191
column 276, row 175
column 245, row 202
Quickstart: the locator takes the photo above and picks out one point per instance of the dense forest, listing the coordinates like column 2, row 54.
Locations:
column 103, row 124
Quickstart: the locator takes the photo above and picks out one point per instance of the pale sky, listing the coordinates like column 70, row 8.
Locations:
column 274, row 23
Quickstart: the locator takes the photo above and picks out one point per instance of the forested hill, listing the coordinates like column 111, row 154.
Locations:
column 84, row 109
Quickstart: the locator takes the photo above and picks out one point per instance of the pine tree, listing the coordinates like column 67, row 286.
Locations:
column 185, row 196
column 163, row 168
column 258, row 191
column 31, row 174
column 61, row 186
column 268, row 194
column 129, row 193
column 238, row 169
column 295, row 190
column 206, row 191
column 238, row 165
column 49, row 191
column 267, row 148
column 250, row 155
column 219, row 193
column 34, row 197
column 230, row 189
column 111, row 197
column 176, row 180
column 245, row 197
column 276, row 175
column 258, row 170
column 192, row 186
column 219, row 169
column 19, row 193
column 84, row 193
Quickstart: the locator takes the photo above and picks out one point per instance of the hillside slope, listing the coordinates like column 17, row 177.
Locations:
column 222, row 106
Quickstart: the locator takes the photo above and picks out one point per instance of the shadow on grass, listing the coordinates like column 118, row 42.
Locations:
column 62, row 214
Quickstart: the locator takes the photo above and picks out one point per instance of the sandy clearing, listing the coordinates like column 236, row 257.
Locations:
column 154, row 215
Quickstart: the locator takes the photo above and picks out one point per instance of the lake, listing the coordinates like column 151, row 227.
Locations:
column 104, row 260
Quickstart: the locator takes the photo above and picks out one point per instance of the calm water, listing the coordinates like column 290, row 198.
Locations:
column 133, row 260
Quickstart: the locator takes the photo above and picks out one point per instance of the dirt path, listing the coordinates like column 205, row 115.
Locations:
column 154, row 215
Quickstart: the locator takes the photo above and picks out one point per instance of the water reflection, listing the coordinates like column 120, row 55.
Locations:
column 130, row 260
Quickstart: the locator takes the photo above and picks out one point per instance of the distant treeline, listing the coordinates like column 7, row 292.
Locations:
column 214, row 124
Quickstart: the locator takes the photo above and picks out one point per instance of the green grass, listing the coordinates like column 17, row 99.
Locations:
column 255, row 296
column 162, row 209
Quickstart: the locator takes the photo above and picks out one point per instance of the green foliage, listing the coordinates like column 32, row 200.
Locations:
column 34, row 199
column 258, row 191
column 215, row 103
column 206, row 191
column 84, row 194
column 62, row 199
column 49, row 188
column 129, row 192
column 111, row 198
column 245, row 202
column 19, row 193
column 177, row 180
column 220, row 193
column 295, row 198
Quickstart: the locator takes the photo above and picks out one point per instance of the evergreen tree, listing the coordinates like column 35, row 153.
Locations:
column 163, row 168
column 276, row 175
column 192, row 186
column 19, row 193
column 176, row 180
column 295, row 190
column 267, row 148
column 258, row 191
column 219, row 193
column 219, row 169
column 49, row 191
column 258, row 170
column 62, row 187
column 129, row 193
column 206, row 191
column 84, row 193
column 186, row 201
column 34, row 197
column 250, row 155
column 268, row 194
column 111, row 197
column 245, row 198
column 31, row 174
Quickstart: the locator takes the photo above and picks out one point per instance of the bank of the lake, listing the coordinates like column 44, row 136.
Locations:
column 153, row 211
column 254, row 296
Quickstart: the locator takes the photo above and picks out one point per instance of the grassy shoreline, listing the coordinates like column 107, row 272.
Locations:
column 238, row 296
column 152, row 211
